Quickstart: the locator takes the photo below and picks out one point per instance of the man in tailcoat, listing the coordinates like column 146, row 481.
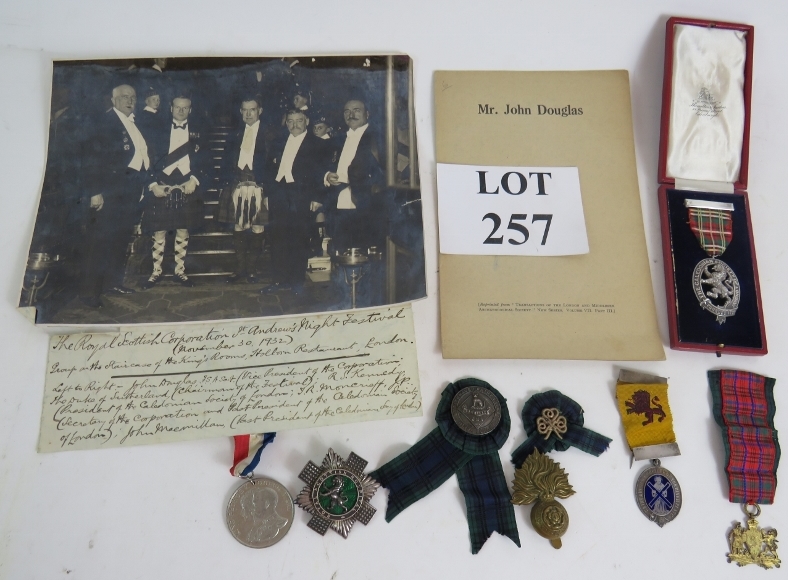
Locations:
column 241, row 205
column 173, row 201
column 293, row 184
column 355, row 212
column 116, row 166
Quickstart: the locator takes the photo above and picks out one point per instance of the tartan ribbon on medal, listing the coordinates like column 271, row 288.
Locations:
column 713, row 228
column 448, row 450
column 744, row 408
column 714, row 283
column 248, row 449
column 546, row 432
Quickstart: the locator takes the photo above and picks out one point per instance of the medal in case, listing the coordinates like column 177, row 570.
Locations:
column 713, row 279
column 715, row 284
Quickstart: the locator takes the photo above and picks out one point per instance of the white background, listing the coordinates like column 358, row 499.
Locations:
column 461, row 208
column 158, row 512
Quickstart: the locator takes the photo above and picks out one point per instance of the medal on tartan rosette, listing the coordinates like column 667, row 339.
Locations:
column 553, row 422
column 260, row 512
column 715, row 284
column 648, row 424
column 473, row 424
column 743, row 405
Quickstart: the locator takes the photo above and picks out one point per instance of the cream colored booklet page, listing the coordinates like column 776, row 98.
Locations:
column 594, row 305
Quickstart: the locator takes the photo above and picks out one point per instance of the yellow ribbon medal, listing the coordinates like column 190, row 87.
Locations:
column 648, row 423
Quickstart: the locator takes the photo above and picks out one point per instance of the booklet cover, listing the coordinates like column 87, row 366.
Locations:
column 597, row 305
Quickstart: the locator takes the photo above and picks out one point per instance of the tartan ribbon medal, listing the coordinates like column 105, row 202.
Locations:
column 743, row 406
column 448, row 450
column 536, row 419
column 715, row 284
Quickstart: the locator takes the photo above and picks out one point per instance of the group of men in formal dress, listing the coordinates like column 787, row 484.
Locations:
column 278, row 185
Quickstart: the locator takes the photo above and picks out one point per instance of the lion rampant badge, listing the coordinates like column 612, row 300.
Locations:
column 642, row 403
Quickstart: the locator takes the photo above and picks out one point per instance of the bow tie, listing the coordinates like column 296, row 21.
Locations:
column 174, row 126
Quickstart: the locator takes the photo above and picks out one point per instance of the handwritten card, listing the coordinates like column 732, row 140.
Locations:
column 162, row 384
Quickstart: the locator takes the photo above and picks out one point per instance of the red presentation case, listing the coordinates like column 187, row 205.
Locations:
column 691, row 327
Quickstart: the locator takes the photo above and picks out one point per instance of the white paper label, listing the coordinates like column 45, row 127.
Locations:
column 510, row 211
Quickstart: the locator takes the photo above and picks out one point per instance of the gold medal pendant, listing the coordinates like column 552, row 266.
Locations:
column 541, row 480
column 751, row 544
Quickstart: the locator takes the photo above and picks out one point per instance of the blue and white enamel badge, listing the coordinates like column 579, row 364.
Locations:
column 658, row 494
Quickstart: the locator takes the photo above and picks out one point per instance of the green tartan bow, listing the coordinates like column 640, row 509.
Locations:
column 447, row 450
column 575, row 435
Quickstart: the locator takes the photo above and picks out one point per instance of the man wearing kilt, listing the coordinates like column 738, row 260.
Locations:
column 242, row 205
column 174, row 200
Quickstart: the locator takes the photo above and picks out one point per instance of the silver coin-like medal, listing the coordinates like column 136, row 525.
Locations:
column 716, row 288
column 260, row 513
column 476, row 410
column 658, row 494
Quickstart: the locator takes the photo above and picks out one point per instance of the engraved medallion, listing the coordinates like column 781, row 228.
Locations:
column 716, row 288
column 658, row 494
column 476, row 410
column 260, row 513
column 337, row 493
column 753, row 545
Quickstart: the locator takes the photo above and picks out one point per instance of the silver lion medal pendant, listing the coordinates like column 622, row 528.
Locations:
column 715, row 284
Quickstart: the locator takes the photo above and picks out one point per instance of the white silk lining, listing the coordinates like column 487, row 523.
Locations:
column 707, row 108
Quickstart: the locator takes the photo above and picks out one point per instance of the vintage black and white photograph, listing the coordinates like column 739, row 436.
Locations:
column 193, row 189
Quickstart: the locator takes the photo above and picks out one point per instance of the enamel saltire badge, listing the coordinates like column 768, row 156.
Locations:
column 658, row 494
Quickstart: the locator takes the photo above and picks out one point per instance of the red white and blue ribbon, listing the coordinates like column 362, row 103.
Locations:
column 248, row 449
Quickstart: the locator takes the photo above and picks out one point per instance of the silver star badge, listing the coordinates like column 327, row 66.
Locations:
column 337, row 493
